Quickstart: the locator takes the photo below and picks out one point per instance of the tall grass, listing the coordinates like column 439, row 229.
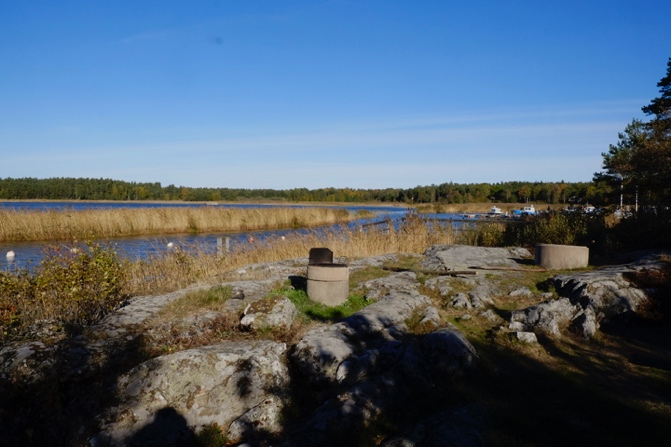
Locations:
column 175, row 270
column 104, row 223
column 96, row 279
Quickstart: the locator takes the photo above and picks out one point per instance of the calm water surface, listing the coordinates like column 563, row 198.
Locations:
column 31, row 253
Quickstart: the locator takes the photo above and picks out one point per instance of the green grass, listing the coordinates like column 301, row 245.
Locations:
column 211, row 298
column 357, row 277
column 404, row 262
column 211, row 435
column 321, row 312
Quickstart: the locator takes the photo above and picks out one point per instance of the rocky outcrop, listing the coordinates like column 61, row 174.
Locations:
column 218, row 384
column 273, row 312
column 550, row 317
column 330, row 381
column 587, row 298
column 607, row 291
column 357, row 346
column 461, row 257
column 372, row 361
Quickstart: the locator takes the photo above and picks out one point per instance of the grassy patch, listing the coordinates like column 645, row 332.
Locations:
column 318, row 311
column 211, row 435
column 204, row 299
column 404, row 262
column 417, row 324
column 356, row 277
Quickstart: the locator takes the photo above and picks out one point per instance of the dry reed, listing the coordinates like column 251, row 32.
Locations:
column 175, row 270
column 107, row 223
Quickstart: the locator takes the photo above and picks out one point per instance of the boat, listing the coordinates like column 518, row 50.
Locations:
column 525, row 211
column 529, row 210
column 495, row 211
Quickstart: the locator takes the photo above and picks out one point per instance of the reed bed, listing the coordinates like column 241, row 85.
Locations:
column 108, row 223
column 104, row 278
column 179, row 269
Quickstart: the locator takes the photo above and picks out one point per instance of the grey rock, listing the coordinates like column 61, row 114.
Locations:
column 391, row 353
column 377, row 288
column 369, row 353
column 321, row 351
column 266, row 417
column 213, row 384
column 460, row 301
column 448, row 352
column 522, row 291
column 546, row 317
column 585, row 323
column 272, row 312
column 430, row 318
column 490, row 315
column 481, row 295
column 462, row 257
column 526, row 337
column 606, row 290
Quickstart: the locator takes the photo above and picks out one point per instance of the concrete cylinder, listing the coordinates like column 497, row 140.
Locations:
column 328, row 283
column 557, row 257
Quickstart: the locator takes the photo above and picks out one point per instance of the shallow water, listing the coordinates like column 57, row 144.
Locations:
column 27, row 254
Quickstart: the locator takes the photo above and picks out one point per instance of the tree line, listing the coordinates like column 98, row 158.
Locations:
column 597, row 193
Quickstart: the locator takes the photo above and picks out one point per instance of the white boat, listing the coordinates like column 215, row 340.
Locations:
column 495, row 211
column 529, row 210
column 525, row 211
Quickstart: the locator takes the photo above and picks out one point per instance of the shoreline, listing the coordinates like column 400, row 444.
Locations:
column 483, row 207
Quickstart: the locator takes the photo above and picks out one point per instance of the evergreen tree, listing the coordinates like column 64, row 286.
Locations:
column 642, row 156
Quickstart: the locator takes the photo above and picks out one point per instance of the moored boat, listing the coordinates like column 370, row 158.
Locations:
column 525, row 211
column 495, row 211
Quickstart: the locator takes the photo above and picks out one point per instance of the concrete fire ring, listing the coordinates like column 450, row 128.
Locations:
column 328, row 283
column 557, row 257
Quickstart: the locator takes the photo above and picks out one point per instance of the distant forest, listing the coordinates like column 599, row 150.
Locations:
column 596, row 193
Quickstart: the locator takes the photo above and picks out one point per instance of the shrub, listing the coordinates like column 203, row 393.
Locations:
column 485, row 235
column 563, row 228
column 643, row 230
column 71, row 287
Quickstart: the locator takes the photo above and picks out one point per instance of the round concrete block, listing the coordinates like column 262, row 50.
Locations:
column 556, row 257
column 328, row 283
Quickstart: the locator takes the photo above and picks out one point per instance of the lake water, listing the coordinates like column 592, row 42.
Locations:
column 30, row 253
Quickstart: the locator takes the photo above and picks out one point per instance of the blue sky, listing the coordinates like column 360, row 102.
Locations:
column 288, row 94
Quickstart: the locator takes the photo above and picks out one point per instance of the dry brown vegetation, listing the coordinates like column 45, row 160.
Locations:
column 178, row 269
column 106, row 223
column 47, row 293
